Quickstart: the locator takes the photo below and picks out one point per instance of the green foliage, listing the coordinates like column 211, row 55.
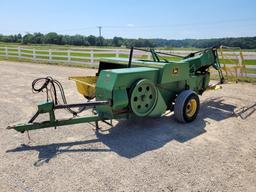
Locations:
column 28, row 38
column 11, row 38
column 100, row 41
column 117, row 41
column 54, row 38
column 36, row 38
column 77, row 40
column 92, row 40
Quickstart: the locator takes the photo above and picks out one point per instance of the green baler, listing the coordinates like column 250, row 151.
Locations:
column 129, row 88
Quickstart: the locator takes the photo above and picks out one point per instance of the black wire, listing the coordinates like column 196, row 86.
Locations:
column 51, row 85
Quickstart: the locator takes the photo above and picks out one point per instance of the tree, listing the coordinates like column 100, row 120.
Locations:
column 52, row 38
column 92, row 40
column 144, row 43
column 19, row 38
column 66, row 40
column 117, row 41
column 28, row 38
column 100, row 41
column 38, row 38
column 77, row 40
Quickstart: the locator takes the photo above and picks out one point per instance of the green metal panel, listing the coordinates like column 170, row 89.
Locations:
column 115, row 84
column 199, row 83
column 45, row 107
column 120, row 96
column 174, row 72
column 160, row 107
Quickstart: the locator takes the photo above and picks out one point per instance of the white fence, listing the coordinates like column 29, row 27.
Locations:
column 78, row 56
column 88, row 55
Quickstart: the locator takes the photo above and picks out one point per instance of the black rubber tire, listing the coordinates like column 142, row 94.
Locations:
column 181, row 103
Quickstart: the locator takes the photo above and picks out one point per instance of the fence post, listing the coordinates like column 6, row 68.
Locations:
column 19, row 54
column 91, row 56
column 117, row 53
column 69, row 56
column 6, row 52
column 50, row 55
column 34, row 54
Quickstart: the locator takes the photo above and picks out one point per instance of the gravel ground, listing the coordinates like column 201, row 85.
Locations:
column 216, row 152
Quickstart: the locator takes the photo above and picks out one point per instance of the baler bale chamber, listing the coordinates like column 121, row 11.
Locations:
column 130, row 88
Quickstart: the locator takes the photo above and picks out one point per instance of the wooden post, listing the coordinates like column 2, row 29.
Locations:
column 50, row 55
column 34, row 54
column 69, row 56
column 91, row 56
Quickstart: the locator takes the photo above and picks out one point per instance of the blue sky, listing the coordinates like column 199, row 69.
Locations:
column 171, row 19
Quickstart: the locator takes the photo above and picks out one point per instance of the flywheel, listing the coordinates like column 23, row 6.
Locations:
column 143, row 97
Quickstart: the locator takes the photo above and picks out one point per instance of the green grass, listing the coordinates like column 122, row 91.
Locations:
column 249, row 62
column 232, row 79
column 233, row 61
column 252, row 71
column 26, row 51
column 80, row 54
column 55, row 53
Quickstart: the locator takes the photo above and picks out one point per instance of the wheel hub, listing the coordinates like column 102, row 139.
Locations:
column 191, row 107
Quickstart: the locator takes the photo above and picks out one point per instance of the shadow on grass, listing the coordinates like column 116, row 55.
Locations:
column 131, row 138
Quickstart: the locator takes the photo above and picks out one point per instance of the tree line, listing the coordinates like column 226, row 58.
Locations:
column 58, row 39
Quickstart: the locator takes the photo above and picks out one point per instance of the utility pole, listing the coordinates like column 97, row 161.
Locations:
column 100, row 27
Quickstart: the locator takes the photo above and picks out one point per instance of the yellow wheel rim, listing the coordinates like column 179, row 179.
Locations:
column 191, row 107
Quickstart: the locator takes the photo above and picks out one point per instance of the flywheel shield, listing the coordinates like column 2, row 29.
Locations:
column 143, row 97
